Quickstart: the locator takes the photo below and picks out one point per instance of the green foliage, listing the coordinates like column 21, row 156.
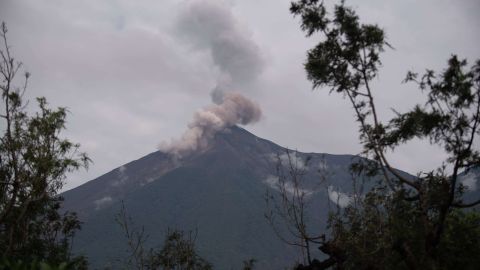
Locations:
column 249, row 264
column 460, row 246
column 178, row 251
column 349, row 55
column 402, row 223
column 383, row 230
column 6, row 264
column 34, row 160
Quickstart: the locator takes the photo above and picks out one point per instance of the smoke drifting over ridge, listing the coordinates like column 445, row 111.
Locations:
column 210, row 26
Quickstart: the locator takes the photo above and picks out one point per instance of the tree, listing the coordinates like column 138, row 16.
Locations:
column 287, row 209
column 346, row 60
column 249, row 264
column 138, row 257
column 34, row 160
column 178, row 251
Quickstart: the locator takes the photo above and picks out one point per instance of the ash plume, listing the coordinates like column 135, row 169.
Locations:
column 233, row 109
column 210, row 26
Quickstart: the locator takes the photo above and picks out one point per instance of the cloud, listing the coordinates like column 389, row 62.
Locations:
column 323, row 166
column 273, row 182
column 100, row 203
column 293, row 158
column 470, row 181
column 122, row 177
column 339, row 198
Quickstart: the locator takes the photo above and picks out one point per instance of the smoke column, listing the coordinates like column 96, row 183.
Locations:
column 234, row 109
column 209, row 25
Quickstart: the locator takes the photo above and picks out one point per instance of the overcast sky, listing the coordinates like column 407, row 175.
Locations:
column 132, row 73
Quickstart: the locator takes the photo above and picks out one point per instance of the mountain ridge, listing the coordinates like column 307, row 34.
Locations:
column 218, row 191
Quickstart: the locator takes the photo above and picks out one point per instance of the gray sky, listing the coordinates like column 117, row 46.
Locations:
column 132, row 73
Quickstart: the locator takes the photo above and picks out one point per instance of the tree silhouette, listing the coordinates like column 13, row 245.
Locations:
column 34, row 160
column 403, row 222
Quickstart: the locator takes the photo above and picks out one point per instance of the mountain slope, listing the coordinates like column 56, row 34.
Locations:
column 218, row 192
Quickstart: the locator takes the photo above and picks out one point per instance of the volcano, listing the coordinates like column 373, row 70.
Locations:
column 218, row 192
